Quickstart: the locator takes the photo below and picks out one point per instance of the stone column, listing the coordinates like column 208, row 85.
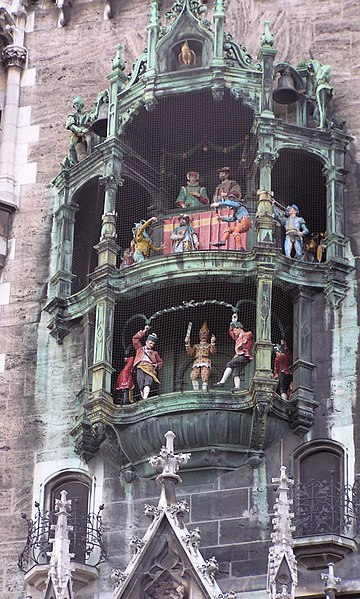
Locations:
column 263, row 384
column 335, row 182
column 117, row 79
column 302, row 415
column 62, row 280
column 219, row 31
column 264, row 223
column 107, row 248
column 263, row 343
column 102, row 369
column 267, row 53
column 153, row 36
column 14, row 58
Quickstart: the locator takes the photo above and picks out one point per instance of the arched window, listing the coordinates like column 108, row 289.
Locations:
column 77, row 487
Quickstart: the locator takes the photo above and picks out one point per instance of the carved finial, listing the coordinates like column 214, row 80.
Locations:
column 154, row 13
column 267, row 38
column 167, row 463
column 118, row 62
column 282, row 567
column 330, row 581
column 60, row 565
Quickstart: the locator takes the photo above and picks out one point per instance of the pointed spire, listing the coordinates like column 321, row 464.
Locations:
column 60, row 556
column 167, row 463
column 282, row 567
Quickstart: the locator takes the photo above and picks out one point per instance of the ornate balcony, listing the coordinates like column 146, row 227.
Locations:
column 326, row 522
column 85, row 543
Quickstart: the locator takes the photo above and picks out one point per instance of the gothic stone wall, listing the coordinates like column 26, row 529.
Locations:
column 36, row 393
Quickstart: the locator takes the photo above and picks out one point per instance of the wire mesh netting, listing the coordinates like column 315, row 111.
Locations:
column 192, row 134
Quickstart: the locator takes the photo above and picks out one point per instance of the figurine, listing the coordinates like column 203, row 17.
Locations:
column 192, row 195
column 147, row 361
column 310, row 248
column 241, row 219
column 282, row 369
column 125, row 384
column 203, row 350
column 142, row 241
column 323, row 89
column 184, row 237
column 187, row 57
column 127, row 257
column 226, row 186
column 243, row 343
column 295, row 228
column 79, row 123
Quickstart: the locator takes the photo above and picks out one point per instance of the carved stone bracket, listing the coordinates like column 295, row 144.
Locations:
column 218, row 92
column 64, row 7
column 88, row 438
column 111, row 181
column 14, row 56
column 263, row 401
column 59, row 328
column 126, row 117
column 109, row 9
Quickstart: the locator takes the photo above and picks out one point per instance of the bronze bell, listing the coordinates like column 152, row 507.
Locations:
column 285, row 93
column 99, row 127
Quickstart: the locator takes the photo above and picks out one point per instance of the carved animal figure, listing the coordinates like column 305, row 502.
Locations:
column 187, row 56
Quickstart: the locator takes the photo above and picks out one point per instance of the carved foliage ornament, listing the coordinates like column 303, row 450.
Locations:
column 14, row 56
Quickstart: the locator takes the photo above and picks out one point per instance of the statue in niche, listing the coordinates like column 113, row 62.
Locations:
column 295, row 228
column 142, row 240
column 187, row 57
column 283, row 369
column 192, row 195
column 124, row 388
column 226, row 186
column 147, row 361
column 79, row 123
column 242, row 357
column 184, row 237
column 323, row 90
column 203, row 351
column 239, row 222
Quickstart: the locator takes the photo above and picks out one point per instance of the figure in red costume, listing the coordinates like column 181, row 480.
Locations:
column 147, row 361
column 243, row 343
column 283, row 369
column 124, row 384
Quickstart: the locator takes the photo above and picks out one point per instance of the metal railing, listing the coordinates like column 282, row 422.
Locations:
column 326, row 507
column 86, row 542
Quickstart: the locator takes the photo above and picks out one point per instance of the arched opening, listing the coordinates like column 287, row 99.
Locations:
column 192, row 132
column 210, row 302
column 297, row 178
